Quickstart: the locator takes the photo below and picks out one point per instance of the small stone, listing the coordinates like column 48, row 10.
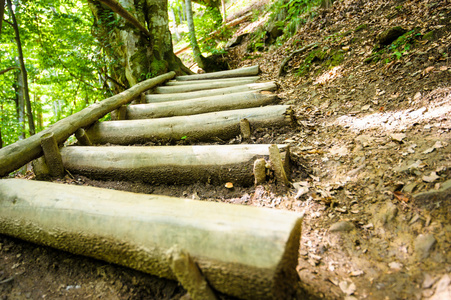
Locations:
column 347, row 288
column 428, row 281
column 431, row 178
column 344, row 226
column 398, row 137
column 395, row 265
column 423, row 244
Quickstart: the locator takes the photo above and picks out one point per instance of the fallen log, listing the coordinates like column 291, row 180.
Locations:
column 243, row 251
column 242, row 72
column 168, row 164
column 194, row 86
column 199, row 105
column 204, row 127
column 263, row 86
column 22, row 152
column 176, row 82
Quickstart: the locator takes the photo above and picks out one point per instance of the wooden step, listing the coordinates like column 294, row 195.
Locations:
column 244, row 251
column 194, row 86
column 176, row 82
column 200, row 105
column 242, row 72
column 263, row 86
column 215, row 164
column 203, row 127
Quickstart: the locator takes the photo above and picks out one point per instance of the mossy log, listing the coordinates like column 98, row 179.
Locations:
column 194, row 86
column 203, row 127
column 243, row 251
column 176, row 82
column 168, row 164
column 22, row 152
column 263, row 86
column 242, row 72
column 200, row 105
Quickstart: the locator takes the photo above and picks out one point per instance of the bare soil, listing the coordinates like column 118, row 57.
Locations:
column 372, row 155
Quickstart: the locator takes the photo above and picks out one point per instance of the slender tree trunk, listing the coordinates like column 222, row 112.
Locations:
column 2, row 12
column 1, row 124
column 192, row 35
column 224, row 12
column 20, row 104
column 23, row 70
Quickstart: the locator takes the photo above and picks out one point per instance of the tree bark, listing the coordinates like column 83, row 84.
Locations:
column 2, row 12
column 23, row 70
column 135, row 57
column 199, row 105
column 257, row 87
column 167, row 164
column 204, row 127
column 117, row 8
column 22, row 152
column 243, row 251
column 198, row 57
column 194, row 86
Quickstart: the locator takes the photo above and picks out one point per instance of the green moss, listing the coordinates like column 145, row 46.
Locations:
column 157, row 67
column 361, row 27
column 430, row 36
column 325, row 57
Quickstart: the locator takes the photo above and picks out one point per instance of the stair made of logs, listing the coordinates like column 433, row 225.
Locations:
column 246, row 252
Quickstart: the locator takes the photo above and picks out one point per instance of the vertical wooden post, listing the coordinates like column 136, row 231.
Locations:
column 277, row 165
column 82, row 137
column 245, row 128
column 52, row 155
column 189, row 275
column 260, row 171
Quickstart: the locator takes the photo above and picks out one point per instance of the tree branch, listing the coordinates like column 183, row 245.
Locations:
column 8, row 69
column 117, row 8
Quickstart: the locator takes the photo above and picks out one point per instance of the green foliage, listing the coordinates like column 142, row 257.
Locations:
column 293, row 13
column 325, row 58
column 62, row 59
column 401, row 46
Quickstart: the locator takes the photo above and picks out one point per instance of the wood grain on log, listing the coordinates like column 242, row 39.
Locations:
column 216, row 164
column 199, row 105
column 203, row 127
column 194, row 86
column 263, row 86
column 242, row 72
column 177, row 82
column 243, row 251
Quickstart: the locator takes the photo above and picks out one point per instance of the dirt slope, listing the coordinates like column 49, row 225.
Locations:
column 374, row 154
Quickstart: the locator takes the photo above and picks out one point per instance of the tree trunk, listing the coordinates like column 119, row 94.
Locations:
column 20, row 104
column 224, row 12
column 264, row 86
column 133, row 56
column 204, row 127
column 23, row 71
column 199, row 105
column 2, row 12
column 198, row 57
column 167, row 164
column 247, row 252
column 22, row 152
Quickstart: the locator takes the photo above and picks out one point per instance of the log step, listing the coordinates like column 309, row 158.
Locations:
column 242, row 72
column 194, row 86
column 176, row 82
column 243, row 251
column 263, row 86
column 203, row 127
column 215, row 164
column 200, row 105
